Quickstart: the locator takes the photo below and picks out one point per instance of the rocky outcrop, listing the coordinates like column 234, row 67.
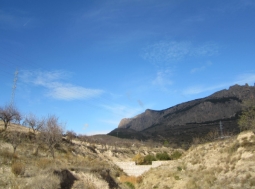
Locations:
column 224, row 105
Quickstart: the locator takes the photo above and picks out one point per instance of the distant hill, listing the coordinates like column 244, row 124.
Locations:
column 185, row 121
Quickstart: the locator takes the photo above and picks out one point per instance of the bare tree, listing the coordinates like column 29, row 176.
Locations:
column 71, row 135
column 8, row 114
column 33, row 122
column 51, row 133
column 15, row 140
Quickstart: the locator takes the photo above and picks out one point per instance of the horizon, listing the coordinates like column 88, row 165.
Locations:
column 94, row 63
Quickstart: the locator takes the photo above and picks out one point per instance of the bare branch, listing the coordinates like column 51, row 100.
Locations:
column 34, row 123
column 8, row 114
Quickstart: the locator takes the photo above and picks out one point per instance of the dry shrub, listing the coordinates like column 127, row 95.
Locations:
column 233, row 148
column 139, row 159
column 18, row 168
column 5, row 153
column 83, row 185
column 44, row 163
column 131, row 179
column 49, row 181
column 89, row 181
column 191, row 184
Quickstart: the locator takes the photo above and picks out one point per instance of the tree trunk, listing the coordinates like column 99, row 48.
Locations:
column 5, row 125
column 52, row 152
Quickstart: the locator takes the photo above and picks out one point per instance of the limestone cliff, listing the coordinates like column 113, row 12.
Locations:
column 224, row 105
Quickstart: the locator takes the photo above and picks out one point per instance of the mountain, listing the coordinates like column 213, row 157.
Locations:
column 185, row 121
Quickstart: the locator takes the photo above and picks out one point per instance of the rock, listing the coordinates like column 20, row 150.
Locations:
column 189, row 119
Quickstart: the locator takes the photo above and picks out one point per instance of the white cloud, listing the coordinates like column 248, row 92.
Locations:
column 162, row 79
column 56, row 88
column 172, row 51
column 71, row 92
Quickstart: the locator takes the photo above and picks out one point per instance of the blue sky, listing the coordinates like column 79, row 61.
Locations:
column 92, row 63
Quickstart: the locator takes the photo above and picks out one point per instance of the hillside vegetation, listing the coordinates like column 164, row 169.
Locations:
column 41, row 155
column 227, row 162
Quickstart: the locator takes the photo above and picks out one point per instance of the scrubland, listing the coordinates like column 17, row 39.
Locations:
column 221, row 163
column 225, row 163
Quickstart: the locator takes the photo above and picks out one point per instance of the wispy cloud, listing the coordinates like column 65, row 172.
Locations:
column 173, row 51
column 56, row 88
column 246, row 78
column 140, row 103
column 123, row 110
column 163, row 79
column 14, row 19
column 118, row 112
column 97, row 132
column 241, row 80
column 200, row 89
column 199, row 69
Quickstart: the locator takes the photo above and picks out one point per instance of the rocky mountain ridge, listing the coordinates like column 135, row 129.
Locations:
column 196, row 116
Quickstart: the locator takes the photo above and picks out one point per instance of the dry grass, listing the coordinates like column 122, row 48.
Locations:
column 43, row 163
column 132, row 179
column 228, row 163
column 18, row 168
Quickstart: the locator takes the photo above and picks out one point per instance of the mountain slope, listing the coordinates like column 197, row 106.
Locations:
column 190, row 119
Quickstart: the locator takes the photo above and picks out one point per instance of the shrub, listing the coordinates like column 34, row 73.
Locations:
column 6, row 154
column 44, row 163
column 139, row 159
column 18, row 168
column 148, row 159
column 46, row 180
column 166, row 143
column 247, row 119
column 233, row 148
column 176, row 155
column 130, row 185
column 163, row 156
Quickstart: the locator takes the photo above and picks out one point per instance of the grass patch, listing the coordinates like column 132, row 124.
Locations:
column 130, row 185
column 176, row 155
column 44, row 163
column 132, row 179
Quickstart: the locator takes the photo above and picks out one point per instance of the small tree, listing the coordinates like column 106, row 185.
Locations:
column 8, row 114
column 51, row 133
column 70, row 135
column 247, row 118
column 15, row 140
column 139, row 159
column 33, row 122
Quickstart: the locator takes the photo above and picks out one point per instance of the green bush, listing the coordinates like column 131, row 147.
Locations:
column 163, row 156
column 148, row 159
column 247, row 118
column 176, row 155
column 130, row 185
